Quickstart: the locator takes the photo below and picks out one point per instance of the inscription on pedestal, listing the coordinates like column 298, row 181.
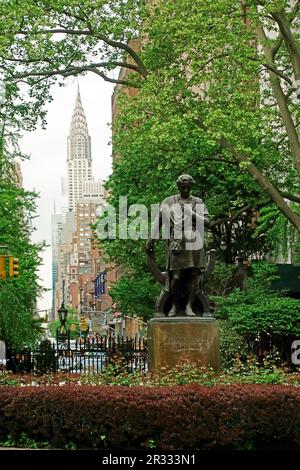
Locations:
column 178, row 344
column 173, row 342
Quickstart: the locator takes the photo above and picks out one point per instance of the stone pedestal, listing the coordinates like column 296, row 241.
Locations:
column 174, row 341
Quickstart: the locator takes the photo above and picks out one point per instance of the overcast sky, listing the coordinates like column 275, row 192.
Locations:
column 48, row 150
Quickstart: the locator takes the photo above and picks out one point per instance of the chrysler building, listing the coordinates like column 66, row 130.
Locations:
column 79, row 155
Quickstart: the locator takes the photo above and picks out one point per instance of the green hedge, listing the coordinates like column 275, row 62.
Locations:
column 179, row 417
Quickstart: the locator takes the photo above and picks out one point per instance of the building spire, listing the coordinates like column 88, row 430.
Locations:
column 79, row 153
column 78, row 116
column 78, row 97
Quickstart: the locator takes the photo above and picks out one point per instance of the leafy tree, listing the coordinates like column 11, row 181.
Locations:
column 44, row 42
column 207, row 58
column 216, row 98
column 18, row 297
column 135, row 294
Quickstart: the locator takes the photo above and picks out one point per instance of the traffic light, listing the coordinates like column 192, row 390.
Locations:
column 84, row 326
column 13, row 267
column 2, row 267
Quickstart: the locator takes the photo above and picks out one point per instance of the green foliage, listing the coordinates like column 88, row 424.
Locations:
column 24, row 442
column 151, row 444
column 135, row 294
column 6, row 378
column 232, row 344
column 258, row 309
column 249, row 371
column 220, row 282
column 282, row 236
column 200, row 107
column 25, row 39
column 158, row 134
column 18, row 296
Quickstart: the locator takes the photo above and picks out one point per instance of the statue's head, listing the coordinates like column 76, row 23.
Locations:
column 185, row 179
column 184, row 184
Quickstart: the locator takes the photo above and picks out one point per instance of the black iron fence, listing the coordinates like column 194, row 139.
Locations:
column 82, row 356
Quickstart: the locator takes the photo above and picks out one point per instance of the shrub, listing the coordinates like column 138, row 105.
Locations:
column 172, row 418
column 232, row 345
column 266, row 319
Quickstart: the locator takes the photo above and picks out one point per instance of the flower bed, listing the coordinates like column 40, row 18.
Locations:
column 181, row 375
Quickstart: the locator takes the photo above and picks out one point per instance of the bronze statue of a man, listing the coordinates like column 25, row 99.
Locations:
column 183, row 216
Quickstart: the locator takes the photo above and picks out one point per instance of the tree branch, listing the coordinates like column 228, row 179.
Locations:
column 281, row 101
column 277, row 72
column 222, row 160
column 277, row 46
column 99, row 64
column 233, row 218
column 70, row 71
column 290, row 196
column 289, row 39
column 110, row 42
column 291, row 16
column 273, row 69
column 106, row 78
column 258, row 176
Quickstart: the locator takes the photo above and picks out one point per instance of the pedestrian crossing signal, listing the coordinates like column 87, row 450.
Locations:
column 2, row 267
column 13, row 267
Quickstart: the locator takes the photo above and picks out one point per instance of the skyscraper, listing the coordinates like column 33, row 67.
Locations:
column 64, row 198
column 76, row 258
column 79, row 154
column 56, row 225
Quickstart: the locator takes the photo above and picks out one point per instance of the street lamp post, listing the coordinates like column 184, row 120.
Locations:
column 62, row 314
column 62, row 332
